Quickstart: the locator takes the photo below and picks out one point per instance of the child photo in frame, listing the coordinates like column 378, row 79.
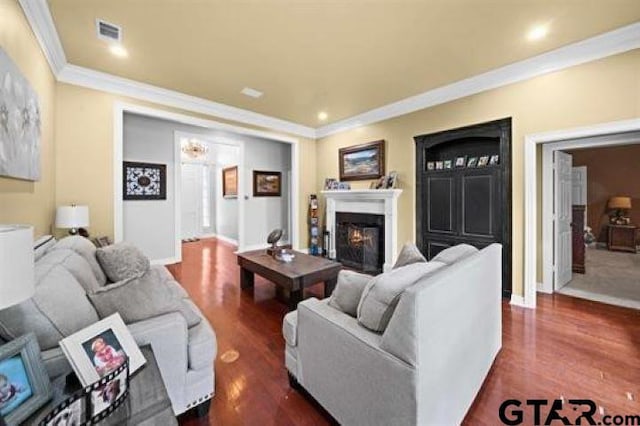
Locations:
column 101, row 348
column 15, row 388
column 105, row 351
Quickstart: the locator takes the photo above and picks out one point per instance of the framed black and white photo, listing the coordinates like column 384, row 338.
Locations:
column 100, row 349
column 24, row 383
column 448, row 164
column 483, row 161
column 439, row 165
column 431, row 165
column 494, row 160
column 144, row 181
column 472, row 162
column 461, row 161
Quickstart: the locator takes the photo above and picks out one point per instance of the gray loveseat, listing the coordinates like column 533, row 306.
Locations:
column 65, row 272
column 424, row 369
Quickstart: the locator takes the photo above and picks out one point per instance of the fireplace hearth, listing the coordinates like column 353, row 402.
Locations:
column 360, row 241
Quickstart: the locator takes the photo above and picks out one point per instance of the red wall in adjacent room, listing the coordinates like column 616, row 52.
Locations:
column 610, row 171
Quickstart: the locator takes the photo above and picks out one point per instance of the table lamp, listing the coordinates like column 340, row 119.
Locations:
column 73, row 218
column 620, row 205
column 17, row 277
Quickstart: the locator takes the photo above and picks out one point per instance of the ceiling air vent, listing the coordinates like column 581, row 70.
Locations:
column 108, row 31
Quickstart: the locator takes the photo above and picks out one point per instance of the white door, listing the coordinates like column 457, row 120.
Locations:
column 191, row 200
column 562, row 218
column 579, row 188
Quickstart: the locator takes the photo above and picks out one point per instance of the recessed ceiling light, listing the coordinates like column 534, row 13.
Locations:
column 118, row 50
column 322, row 116
column 253, row 93
column 538, row 32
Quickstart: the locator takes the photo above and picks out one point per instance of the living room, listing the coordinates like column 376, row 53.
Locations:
column 325, row 79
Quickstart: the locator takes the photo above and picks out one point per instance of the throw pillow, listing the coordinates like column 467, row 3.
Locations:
column 348, row 291
column 453, row 254
column 140, row 298
column 408, row 255
column 122, row 261
column 382, row 293
column 87, row 250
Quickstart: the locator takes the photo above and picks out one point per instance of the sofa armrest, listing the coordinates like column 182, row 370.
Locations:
column 338, row 359
column 167, row 334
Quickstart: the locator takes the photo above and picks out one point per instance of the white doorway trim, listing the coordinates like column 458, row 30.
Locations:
column 120, row 108
column 218, row 140
column 581, row 137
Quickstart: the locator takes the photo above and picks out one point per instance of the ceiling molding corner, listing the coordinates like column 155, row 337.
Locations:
column 39, row 16
column 608, row 44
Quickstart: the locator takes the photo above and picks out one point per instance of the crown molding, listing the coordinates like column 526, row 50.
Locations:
column 611, row 43
column 97, row 80
column 39, row 16
column 598, row 47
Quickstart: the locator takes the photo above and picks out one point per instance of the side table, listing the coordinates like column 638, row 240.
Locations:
column 622, row 238
column 147, row 404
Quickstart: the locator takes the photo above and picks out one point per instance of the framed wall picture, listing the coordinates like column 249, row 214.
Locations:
column 24, row 383
column 230, row 182
column 267, row 184
column 144, row 181
column 20, row 123
column 100, row 349
column 362, row 162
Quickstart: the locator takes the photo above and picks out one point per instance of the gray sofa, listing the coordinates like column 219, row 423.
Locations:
column 424, row 369
column 65, row 273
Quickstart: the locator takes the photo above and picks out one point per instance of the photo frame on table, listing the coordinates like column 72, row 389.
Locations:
column 144, row 181
column 267, row 184
column 362, row 162
column 24, row 383
column 100, row 349
column 94, row 402
column 230, row 182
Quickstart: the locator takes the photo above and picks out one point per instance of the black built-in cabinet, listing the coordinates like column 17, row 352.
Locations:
column 469, row 205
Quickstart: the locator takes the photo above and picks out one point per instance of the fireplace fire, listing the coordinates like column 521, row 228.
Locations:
column 360, row 241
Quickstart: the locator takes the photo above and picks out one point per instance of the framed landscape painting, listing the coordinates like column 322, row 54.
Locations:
column 362, row 162
column 267, row 184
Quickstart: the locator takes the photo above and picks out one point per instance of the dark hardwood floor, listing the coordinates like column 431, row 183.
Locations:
column 567, row 348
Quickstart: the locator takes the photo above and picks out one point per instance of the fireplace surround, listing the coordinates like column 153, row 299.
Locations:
column 381, row 202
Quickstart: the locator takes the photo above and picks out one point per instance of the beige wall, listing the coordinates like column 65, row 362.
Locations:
column 601, row 91
column 84, row 155
column 23, row 201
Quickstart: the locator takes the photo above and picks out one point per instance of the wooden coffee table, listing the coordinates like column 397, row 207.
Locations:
column 290, row 278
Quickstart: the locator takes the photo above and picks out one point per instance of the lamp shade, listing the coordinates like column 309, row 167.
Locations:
column 621, row 203
column 16, row 264
column 72, row 216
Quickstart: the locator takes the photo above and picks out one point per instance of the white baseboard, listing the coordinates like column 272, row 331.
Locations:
column 167, row 261
column 518, row 300
column 259, row 246
column 541, row 289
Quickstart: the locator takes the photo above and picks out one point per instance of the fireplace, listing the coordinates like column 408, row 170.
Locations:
column 360, row 241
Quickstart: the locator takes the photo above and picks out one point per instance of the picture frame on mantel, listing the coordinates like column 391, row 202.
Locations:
column 362, row 162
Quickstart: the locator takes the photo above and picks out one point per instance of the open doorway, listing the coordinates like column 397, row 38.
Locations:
column 149, row 136
column 208, row 207
column 590, row 218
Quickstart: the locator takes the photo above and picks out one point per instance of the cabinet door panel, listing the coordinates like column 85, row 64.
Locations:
column 478, row 200
column 440, row 204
